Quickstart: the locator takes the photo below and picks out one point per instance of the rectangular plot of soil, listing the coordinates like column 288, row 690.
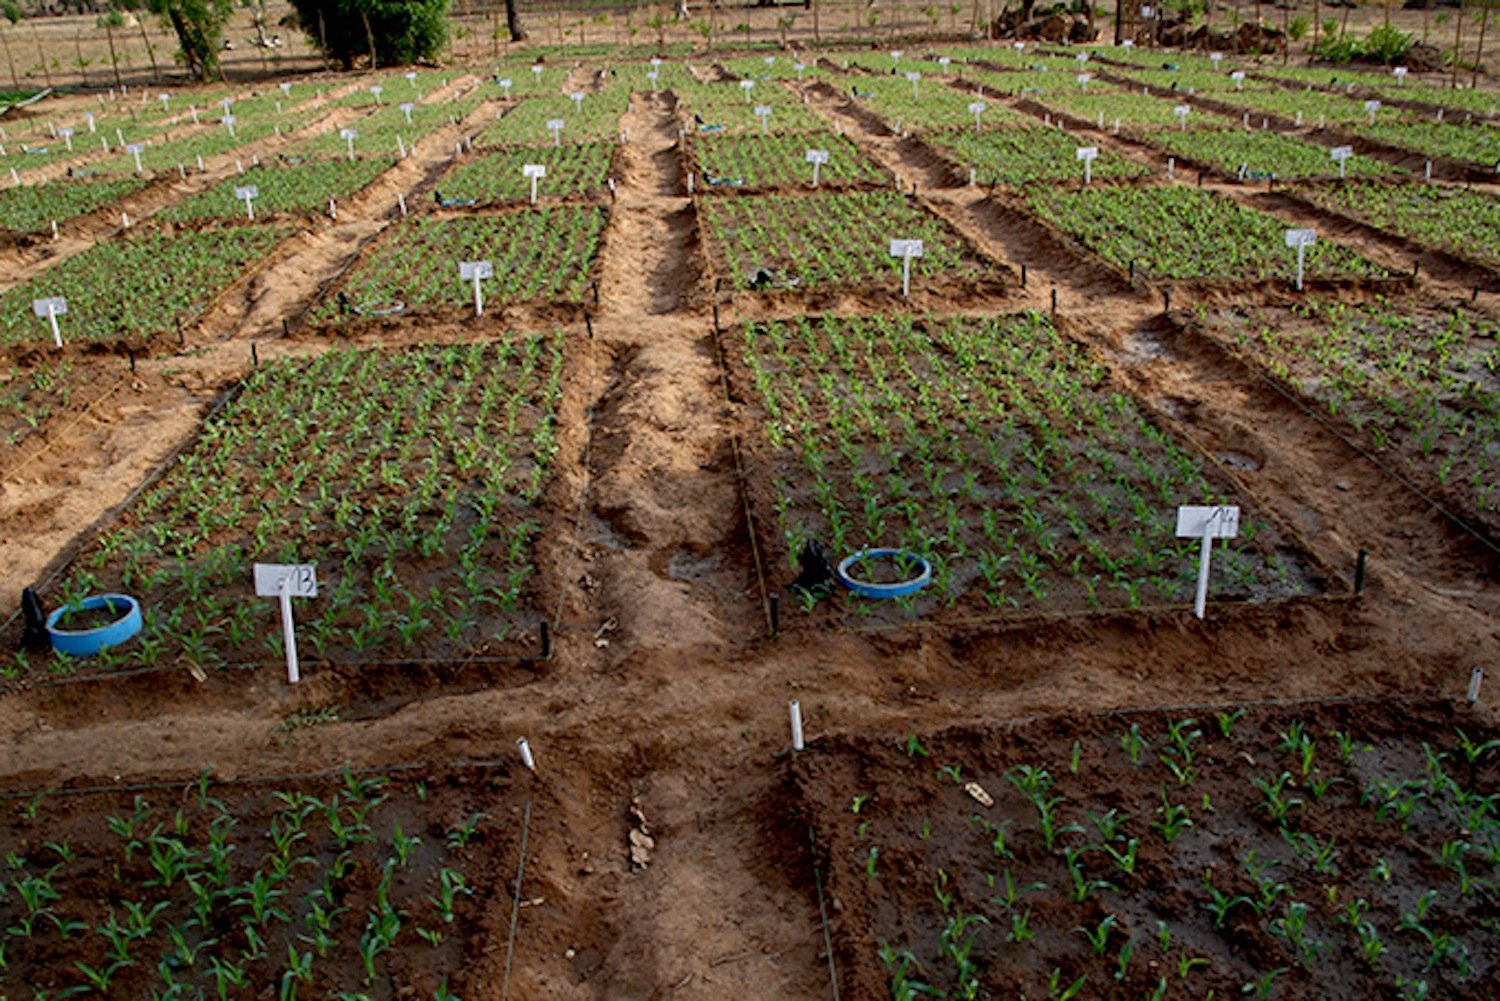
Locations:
column 32, row 208
column 1304, row 851
column 413, row 480
column 820, row 241
column 360, row 883
column 734, row 163
column 995, row 448
column 1417, row 385
column 1463, row 223
column 1186, row 233
column 572, row 170
column 1019, row 157
column 544, row 253
column 299, row 189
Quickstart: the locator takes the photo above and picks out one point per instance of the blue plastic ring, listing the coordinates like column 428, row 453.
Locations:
column 899, row 589
column 87, row 642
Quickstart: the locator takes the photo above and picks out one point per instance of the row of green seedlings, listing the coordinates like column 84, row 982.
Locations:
column 216, row 926
column 1470, row 858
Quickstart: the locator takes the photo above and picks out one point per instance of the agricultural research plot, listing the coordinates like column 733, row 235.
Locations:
column 32, row 208
column 996, row 449
column 1020, row 157
column 572, row 170
column 1474, row 143
column 929, row 104
column 32, row 395
column 595, row 119
column 413, row 480
column 1463, row 223
column 385, row 132
column 1265, row 155
column 777, row 67
column 542, row 254
column 173, row 280
column 367, row 884
column 710, row 109
column 1135, row 112
column 1309, row 107
column 209, row 141
column 1189, row 234
column 301, row 190
column 1418, row 385
column 1190, row 81
column 1303, row 851
column 781, row 161
column 820, row 241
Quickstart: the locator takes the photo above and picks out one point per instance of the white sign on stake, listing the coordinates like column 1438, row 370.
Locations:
column 1088, row 154
column 476, row 271
column 248, row 194
column 411, row 77
column 376, row 91
column 1238, row 76
column 906, row 250
column 745, row 85
column 406, row 108
column 1083, row 80
column 287, row 581
column 1301, row 239
column 577, row 97
column 51, row 308
column 653, row 76
column 67, row 136
column 1216, row 57
column 944, row 61
column 286, row 88
column 1372, row 107
column 536, row 71
column 135, row 150
column 816, row 157
column 1182, row 111
column 1342, row 154
column 1400, row 72
column 976, row 108
column 763, row 112
column 913, row 77
column 349, row 135
column 555, row 126
column 505, row 84
column 534, row 171
column 800, row 68
column 1206, row 523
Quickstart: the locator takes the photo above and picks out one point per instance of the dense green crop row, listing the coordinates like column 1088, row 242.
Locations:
column 170, row 279
column 300, row 189
column 1029, row 156
column 780, row 160
column 544, row 253
column 1475, row 143
column 1262, row 153
column 33, row 207
column 1188, row 233
column 572, row 169
column 1464, row 222
column 829, row 239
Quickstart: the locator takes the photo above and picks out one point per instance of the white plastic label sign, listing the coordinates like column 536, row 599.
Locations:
column 1341, row 152
column 906, row 248
column 227, row 120
column 1372, row 105
column 1301, row 237
column 1214, row 521
column 913, row 76
column 301, row 578
column 1182, row 110
column 377, row 90
column 1088, row 152
column 135, row 149
column 246, row 193
column 817, row 156
column 555, row 124
column 1237, row 76
column 762, row 110
column 977, row 107
column 55, row 306
column 534, row 170
column 470, row 270
column 1216, row 57
column 348, row 134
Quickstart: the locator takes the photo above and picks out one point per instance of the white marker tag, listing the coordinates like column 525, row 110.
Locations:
column 906, row 248
column 65, row 132
column 745, row 85
column 348, row 134
column 577, row 96
column 470, row 270
column 1216, row 57
column 555, row 124
column 227, row 120
column 977, row 107
column 1238, row 76
column 1372, row 106
column 944, row 61
column 55, row 306
column 1301, row 237
column 377, row 90
column 507, row 83
column 1341, row 152
column 135, row 149
column 301, row 578
column 1087, row 152
column 411, row 76
column 1084, row 78
column 897, row 53
column 533, row 170
column 1182, row 110
column 913, row 76
column 286, row 88
column 816, row 156
column 1213, row 521
column 536, row 71
column 246, row 193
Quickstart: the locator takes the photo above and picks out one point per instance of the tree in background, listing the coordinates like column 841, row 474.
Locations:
column 389, row 32
column 199, row 25
column 12, row 12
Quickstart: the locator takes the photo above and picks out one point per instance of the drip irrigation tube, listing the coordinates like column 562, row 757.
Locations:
column 515, row 906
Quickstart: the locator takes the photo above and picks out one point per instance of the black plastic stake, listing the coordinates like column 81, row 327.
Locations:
column 546, row 640
column 1359, row 573
column 717, row 328
column 1132, row 271
column 1054, row 300
column 1475, row 296
column 1023, row 276
column 286, row 328
column 588, row 323
column 1166, row 296
column 775, row 614
column 596, row 293
column 254, row 354
column 1416, row 267
column 131, row 355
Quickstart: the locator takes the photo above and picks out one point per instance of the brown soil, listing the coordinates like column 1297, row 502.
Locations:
column 664, row 687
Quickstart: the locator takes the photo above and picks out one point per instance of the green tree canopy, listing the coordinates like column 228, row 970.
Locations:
column 395, row 32
column 199, row 25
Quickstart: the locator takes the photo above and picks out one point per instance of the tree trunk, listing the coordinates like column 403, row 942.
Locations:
column 114, row 60
column 1344, row 27
column 36, row 37
column 1317, row 24
column 1458, row 41
column 369, row 37
column 513, row 22
column 10, row 60
column 1484, row 20
column 150, row 49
